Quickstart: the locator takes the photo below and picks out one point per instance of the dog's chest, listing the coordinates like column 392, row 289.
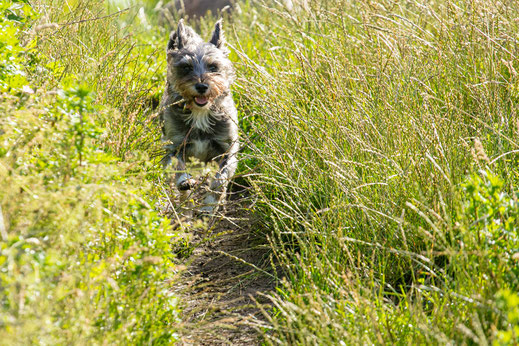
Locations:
column 206, row 136
column 199, row 133
column 201, row 120
column 206, row 149
column 200, row 148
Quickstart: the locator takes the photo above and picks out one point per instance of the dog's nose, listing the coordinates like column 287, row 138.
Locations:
column 201, row 87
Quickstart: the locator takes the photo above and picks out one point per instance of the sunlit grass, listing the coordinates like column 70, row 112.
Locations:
column 366, row 119
column 380, row 139
column 85, row 257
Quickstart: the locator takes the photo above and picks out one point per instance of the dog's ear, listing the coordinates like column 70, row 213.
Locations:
column 178, row 38
column 218, row 38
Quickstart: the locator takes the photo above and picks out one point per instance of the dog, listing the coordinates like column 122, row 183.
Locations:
column 198, row 114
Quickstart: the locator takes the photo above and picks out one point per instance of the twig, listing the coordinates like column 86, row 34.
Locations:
column 3, row 230
column 503, row 155
column 171, row 204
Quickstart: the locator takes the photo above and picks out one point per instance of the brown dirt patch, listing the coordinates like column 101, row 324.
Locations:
column 223, row 290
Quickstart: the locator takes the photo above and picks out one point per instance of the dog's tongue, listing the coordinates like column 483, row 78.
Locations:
column 201, row 100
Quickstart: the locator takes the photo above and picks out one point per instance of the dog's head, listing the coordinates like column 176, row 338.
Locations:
column 199, row 71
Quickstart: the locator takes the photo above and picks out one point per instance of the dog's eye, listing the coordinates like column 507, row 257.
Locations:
column 213, row 68
column 185, row 68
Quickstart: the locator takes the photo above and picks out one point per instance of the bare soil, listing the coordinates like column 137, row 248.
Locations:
column 227, row 279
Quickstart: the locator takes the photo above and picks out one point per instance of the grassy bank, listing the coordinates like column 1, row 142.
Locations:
column 385, row 151
column 85, row 257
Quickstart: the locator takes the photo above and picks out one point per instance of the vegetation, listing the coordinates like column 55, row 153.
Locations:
column 386, row 157
column 380, row 140
column 84, row 255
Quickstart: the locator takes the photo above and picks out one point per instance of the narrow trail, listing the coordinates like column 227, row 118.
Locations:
column 227, row 277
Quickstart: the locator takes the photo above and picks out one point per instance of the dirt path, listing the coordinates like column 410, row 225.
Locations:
column 227, row 277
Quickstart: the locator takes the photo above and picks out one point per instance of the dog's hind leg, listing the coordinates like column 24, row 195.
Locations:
column 218, row 186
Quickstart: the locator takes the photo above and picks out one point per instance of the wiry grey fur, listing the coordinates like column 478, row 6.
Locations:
column 208, row 132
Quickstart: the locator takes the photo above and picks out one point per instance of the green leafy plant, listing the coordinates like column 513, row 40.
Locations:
column 14, row 17
column 84, row 255
column 87, row 255
column 490, row 231
column 508, row 302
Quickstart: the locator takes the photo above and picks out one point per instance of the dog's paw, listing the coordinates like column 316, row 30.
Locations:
column 206, row 210
column 186, row 184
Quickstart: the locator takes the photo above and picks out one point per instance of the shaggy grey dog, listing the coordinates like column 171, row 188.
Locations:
column 197, row 110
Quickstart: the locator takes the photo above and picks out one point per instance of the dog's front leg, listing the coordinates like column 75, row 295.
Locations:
column 219, row 184
column 183, row 179
column 184, row 184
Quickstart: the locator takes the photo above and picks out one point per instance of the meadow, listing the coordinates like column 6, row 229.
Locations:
column 380, row 144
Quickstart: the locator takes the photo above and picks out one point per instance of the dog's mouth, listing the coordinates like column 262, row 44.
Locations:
column 201, row 101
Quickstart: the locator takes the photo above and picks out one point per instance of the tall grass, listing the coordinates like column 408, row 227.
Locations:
column 85, row 257
column 109, row 49
column 366, row 119
column 380, row 139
